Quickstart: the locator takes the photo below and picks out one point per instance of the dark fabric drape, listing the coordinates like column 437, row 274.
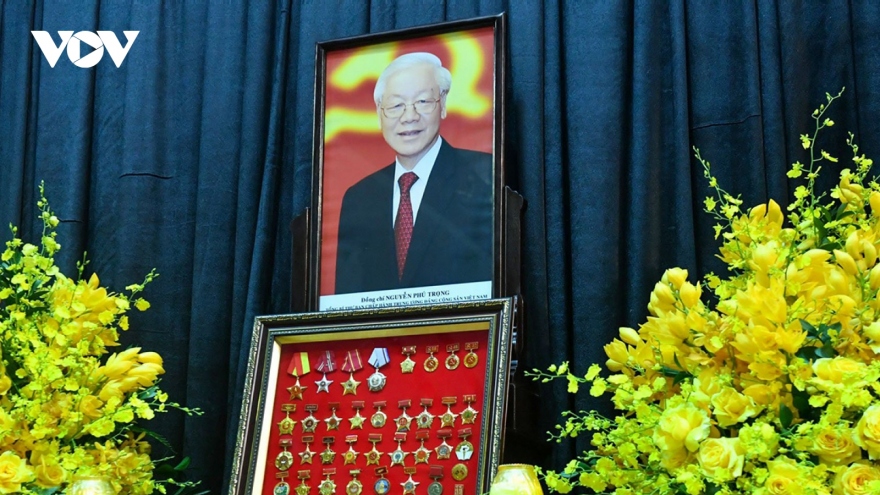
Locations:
column 194, row 156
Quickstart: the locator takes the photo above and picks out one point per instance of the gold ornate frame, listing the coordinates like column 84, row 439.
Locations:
column 273, row 336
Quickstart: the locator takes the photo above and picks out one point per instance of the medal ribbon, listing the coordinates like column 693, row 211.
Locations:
column 379, row 357
column 299, row 364
column 352, row 361
column 327, row 362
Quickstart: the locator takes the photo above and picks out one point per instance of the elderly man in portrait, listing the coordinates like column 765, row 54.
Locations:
column 426, row 219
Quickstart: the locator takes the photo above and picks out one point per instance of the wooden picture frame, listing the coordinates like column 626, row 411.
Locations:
column 472, row 346
column 359, row 254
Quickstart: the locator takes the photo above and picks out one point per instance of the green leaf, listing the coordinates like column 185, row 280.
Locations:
column 785, row 416
column 183, row 464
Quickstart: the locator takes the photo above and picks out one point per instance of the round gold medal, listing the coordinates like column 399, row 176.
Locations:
column 431, row 364
column 459, row 472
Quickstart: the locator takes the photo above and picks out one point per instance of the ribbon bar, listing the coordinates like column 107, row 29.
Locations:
column 449, row 401
column 379, row 404
column 409, row 350
column 470, row 398
column 432, row 349
column 328, row 440
column 400, row 437
column 381, row 471
column 444, row 433
column 285, row 443
column 288, row 407
column 422, row 435
column 329, row 471
column 282, row 474
column 327, row 362
column 299, row 364
column 409, row 470
column 403, row 404
column 436, row 472
column 311, row 407
column 333, row 405
column 464, row 433
column 427, row 402
column 379, row 357
column 452, row 347
column 352, row 361
column 308, row 439
column 357, row 404
column 471, row 346
column 354, row 472
column 374, row 437
column 351, row 438
column 304, row 474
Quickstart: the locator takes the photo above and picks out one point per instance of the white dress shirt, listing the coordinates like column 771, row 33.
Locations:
column 423, row 171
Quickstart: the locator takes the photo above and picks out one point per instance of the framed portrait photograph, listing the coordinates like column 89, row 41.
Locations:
column 408, row 169
column 381, row 400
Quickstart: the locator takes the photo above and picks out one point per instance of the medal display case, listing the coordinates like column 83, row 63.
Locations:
column 394, row 401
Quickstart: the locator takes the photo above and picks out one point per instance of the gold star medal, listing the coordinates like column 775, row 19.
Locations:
column 333, row 420
column 382, row 486
column 350, row 364
column 452, row 360
column 469, row 415
column 378, row 418
column 285, row 426
column 284, row 459
column 409, row 486
column 444, row 450
column 431, row 362
column 378, row 359
column 350, row 455
column 326, row 364
column 357, row 421
column 404, row 421
column 436, row 473
column 282, row 488
column 299, row 366
column 422, row 455
column 327, row 456
column 303, row 488
column 374, row 455
column 471, row 359
column 425, row 419
column 465, row 449
column 305, row 457
column 399, row 455
column 354, row 487
column 447, row 419
column 327, row 486
column 408, row 365
column 310, row 422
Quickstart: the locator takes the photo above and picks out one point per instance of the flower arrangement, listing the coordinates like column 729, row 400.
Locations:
column 774, row 390
column 66, row 408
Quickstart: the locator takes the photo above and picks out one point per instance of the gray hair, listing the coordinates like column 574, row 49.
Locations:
column 444, row 78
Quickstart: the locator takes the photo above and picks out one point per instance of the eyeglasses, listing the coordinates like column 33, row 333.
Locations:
column 423, row 107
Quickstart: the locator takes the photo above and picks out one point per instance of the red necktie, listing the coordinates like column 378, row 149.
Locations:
column 403, row 227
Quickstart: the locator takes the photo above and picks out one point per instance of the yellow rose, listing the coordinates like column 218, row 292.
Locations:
column 867, row 432
column 13, row 472
column 835, row 446
column 683, row 426
column 760, row 393
column 706, row 385
column 783, row 476
column 5, row 383
column 50, row 474
column 731, row 407
column 855, row 480
column 839, row 369
column 721, row 459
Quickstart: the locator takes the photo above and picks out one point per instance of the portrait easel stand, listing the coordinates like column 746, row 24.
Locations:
column 523, row 444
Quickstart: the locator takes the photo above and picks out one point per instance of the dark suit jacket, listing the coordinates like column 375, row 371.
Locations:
column 452, row 236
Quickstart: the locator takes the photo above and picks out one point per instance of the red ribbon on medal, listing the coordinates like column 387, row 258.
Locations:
column 352, row 361
column 327, row 362
column 299, row 364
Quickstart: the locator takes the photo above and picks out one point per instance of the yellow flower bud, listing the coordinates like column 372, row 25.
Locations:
column 872, row 331
column 150, row 357
column 874, row 277
column 846, row 262
column 874, row 199
column 869, row 253
column 690, row 294
column 675, row 276
column 630, row 336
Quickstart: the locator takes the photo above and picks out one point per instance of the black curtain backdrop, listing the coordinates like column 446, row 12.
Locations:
column 194, row 156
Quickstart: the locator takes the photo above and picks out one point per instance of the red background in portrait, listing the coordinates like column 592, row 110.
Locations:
column 352, row 154
column 415, row 386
